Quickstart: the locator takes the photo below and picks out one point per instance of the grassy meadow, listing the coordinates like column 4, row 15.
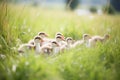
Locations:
column 20, row 23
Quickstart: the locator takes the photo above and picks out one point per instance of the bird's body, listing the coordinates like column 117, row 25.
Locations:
column 31, row 41
column 77, row 43
column 24, row 47
column 92, row 42
column 55, row 47
column 72, row 44
column 37, row 48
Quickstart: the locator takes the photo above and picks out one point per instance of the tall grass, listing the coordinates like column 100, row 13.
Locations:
column 18, row 24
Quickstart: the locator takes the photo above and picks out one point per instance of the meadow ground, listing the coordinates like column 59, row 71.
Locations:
column 19, row 24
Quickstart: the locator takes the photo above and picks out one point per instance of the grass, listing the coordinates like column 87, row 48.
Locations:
column 22, row 23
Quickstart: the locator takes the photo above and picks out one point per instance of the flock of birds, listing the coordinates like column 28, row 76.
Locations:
column 45, row 45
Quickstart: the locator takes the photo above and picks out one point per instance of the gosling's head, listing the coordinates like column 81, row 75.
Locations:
column 69, row 40
column 42, row 34
column 59, row 38
column 38, row 39
column 106, row 36
column 86, row 36
column 55, row 44
column 59, row 34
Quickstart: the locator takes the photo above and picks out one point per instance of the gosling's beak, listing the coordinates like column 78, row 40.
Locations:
column 57, row 45
column 63, row 38
column 46, row 35
column 41, row 40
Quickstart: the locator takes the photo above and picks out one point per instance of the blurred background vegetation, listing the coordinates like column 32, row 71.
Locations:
column 21, row 20
column 112, row 6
